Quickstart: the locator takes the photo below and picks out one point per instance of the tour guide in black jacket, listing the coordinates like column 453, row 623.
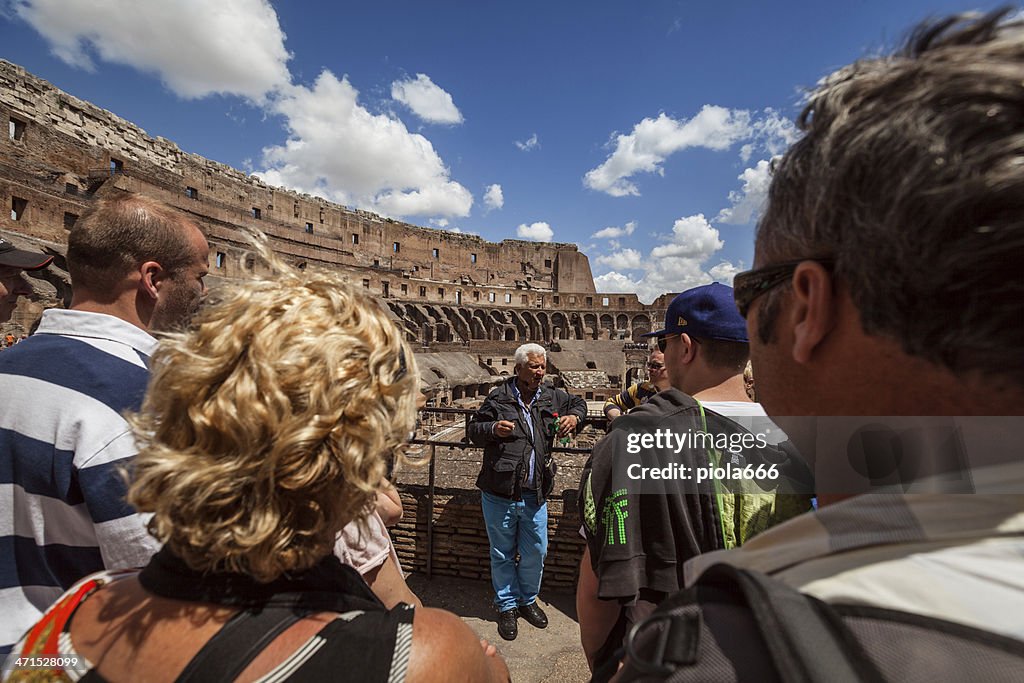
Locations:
column 514, row 425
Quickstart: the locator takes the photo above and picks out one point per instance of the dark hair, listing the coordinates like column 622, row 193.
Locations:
column 119, row 233
column 725, row 354
column 910, row 174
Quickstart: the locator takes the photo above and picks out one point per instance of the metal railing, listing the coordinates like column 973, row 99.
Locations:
column 464, row 444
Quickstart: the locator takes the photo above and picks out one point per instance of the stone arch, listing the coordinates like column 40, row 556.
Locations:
column 577, row 325
column 559, row 326
column 590, row 325
column 545, row 326
column 497, row 325
column 432, row 313
column 479, row 331
column 622, row 321
column 641, row 325
column 608, row 323
column 534, row 333
column 522, row 332
column 486, row 324
column 457, row 323
column 467, row 318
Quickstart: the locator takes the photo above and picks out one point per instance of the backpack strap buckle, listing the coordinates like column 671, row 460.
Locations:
column 678, row 642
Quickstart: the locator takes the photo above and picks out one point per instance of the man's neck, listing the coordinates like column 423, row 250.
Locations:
column 730, row 389
column 525, row 392
column 117, row 308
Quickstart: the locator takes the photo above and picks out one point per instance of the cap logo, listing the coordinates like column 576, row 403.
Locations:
column 681, row 322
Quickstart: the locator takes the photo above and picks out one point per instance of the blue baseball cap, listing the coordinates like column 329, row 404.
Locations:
column 706, row 312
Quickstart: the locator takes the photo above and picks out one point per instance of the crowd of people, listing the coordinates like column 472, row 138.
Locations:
column 182, row 496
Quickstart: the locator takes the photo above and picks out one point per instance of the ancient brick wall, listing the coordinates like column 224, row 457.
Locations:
column 58, row 153
column 460, row 537
column 64, row 141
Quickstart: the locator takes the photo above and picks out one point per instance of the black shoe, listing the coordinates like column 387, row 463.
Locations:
column 507, row 626
column 534, row 615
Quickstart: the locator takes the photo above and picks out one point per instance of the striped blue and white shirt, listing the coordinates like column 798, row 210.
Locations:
column 64, row 446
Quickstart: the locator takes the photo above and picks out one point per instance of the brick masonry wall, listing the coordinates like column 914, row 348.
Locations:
column 460, row 537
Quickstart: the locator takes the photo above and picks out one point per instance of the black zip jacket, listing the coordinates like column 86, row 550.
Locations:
column 506, row 460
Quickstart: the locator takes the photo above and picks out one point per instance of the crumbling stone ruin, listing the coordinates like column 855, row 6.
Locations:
column 466, row 302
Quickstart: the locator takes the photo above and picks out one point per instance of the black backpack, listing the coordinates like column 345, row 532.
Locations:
column 740, row 625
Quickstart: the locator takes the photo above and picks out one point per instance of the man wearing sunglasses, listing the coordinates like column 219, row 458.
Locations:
column 887, row 284
column 639, row 538
column 637, row 394
column 706, row 349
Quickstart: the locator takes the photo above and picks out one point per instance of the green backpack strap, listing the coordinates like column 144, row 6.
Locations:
column 725, row 505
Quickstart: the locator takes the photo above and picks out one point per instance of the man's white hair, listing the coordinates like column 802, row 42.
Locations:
column 524, row 352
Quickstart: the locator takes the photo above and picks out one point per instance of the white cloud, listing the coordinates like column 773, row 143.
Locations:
column 771, row 133
column 672, row 267
column 439, row 222
column 654, row 140
column 336, row 148
column 626, row 259
column 692, row 237
column 613, row 232
column 615, row 282
column 724, row 272
column 527, row 145
column 341, row 151
column 538, row 232
column 426, row 99
column 494, row 198
column 196, row 47
column 748, row 202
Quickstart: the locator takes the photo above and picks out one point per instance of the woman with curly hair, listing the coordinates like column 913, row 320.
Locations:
column 266, row 429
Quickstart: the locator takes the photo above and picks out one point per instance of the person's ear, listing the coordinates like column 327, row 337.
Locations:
column 688, row 349
column 813, row 309
column 152, row 278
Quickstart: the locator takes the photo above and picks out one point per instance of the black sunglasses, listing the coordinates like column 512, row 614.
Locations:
column 663, row 341
column 750, row 284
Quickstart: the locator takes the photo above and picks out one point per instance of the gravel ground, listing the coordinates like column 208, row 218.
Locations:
column 552, row 654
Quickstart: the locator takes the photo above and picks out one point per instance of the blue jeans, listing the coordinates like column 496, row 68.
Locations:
column 516, row 525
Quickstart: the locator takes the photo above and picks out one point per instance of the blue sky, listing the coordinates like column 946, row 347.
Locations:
column 639, row 130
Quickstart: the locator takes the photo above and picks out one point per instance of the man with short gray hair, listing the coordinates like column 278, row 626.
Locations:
column 517, row 425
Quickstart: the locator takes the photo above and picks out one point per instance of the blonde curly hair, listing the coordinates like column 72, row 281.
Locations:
column 269, row 425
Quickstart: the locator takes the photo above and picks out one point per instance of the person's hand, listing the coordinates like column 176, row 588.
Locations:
column 567, row 425
column 504, row 428
column 489, row 649
column 611, row 414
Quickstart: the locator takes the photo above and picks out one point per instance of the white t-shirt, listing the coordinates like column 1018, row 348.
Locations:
column 749, row 415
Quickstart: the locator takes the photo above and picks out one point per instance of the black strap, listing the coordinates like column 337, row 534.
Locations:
column 807, row 641
column 805, row 638
column 800, row 642
column 237, row 643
